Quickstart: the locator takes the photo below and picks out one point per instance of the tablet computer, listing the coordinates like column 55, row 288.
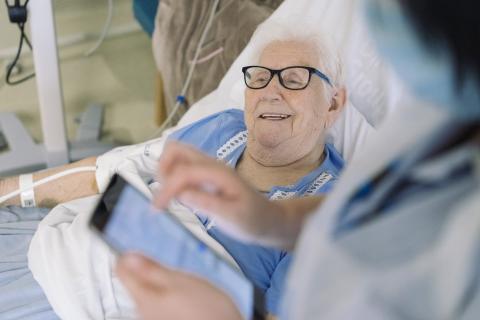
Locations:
column 127, row 221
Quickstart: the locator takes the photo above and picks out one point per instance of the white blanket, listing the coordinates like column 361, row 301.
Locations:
column 76, row 269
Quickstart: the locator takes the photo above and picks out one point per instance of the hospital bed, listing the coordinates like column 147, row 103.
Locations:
column 84, row 287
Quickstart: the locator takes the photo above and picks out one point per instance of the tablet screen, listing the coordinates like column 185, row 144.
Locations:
column 133, row 224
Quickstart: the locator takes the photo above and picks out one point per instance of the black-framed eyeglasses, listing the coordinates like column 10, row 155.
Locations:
column 293, row 78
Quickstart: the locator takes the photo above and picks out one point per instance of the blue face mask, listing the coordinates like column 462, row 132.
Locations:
column 428, row 72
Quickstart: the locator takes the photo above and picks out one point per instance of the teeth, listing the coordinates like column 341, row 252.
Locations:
column 274, row 116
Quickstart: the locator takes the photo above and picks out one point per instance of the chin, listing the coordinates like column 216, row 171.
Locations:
column 268, row 140
column 269, row 144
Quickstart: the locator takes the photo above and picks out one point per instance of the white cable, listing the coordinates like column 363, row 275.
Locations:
column 190, row 72
column 46, row 180
column 108, row 22
column 78, row 38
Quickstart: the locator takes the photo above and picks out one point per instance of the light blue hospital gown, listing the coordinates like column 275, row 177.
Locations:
column 223, row 136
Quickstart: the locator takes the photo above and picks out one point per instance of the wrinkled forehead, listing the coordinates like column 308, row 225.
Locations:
column 281, row 54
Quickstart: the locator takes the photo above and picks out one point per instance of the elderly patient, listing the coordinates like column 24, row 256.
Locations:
column 293, row 95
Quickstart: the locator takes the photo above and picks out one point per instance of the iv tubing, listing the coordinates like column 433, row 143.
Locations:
column 190, row 71
column 46, row 180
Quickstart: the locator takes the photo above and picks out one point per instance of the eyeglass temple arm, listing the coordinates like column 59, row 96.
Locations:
column 323, row 76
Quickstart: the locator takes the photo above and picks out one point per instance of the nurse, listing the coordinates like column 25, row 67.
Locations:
column 399, row 236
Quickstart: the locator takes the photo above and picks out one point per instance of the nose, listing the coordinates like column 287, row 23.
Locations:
column 273, row 91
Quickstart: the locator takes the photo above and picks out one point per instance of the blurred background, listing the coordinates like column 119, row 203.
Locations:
column 108, row 65
column 120, row 74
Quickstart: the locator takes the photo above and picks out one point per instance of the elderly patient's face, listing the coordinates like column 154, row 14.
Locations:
column 275, row 141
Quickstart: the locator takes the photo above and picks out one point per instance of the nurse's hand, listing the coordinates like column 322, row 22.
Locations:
column 215, row 189
column 161, row 293
column 211, row 187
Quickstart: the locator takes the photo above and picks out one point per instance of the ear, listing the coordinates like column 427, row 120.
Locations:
column 337, row 105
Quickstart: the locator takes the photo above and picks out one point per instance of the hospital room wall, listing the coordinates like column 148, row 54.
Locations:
column 119, row 74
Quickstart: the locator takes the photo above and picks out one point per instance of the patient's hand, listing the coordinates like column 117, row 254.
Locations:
column 161, row 293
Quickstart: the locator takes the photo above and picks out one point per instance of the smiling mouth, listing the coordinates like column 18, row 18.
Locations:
column 274, row 116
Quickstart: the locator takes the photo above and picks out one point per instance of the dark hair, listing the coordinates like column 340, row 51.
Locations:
column 454, row 23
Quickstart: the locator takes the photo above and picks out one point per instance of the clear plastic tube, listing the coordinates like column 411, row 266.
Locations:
column 190, row 72
column 103, row 35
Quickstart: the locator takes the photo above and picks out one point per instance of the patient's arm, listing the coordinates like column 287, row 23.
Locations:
column 66, row 188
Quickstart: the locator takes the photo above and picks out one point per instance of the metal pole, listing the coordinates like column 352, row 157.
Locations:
column 47, row 70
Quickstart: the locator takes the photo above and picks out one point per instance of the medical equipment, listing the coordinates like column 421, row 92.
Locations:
column 46, row 180
column 17, row 13
column 24, row 154
column 181, row 97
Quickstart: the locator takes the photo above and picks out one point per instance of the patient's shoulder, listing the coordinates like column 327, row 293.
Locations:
column 211, row 132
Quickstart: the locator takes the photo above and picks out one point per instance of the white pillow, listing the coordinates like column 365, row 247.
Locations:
column 373, row 89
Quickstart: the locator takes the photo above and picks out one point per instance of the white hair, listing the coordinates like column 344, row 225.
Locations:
column 330, row 62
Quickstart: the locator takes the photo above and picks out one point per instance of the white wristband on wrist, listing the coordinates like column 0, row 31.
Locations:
column 27, row 197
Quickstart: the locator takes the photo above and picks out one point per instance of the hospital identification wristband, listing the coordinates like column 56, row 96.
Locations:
column 27, row 197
